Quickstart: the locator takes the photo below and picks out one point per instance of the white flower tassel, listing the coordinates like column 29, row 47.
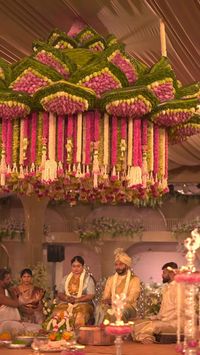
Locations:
column 106, row 139
column 3, row 169
column 135, row 176
column 79, row 137
column 21, row 172
column 95, row 168
column 50, row 172
column 144, row 170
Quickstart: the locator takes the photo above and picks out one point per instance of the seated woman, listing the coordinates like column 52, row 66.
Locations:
column 76, row 293
column 32, row 296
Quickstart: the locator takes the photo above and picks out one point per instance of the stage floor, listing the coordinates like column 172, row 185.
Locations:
column 128, row 349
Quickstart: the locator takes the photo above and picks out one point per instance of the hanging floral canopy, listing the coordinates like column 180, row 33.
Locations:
column 82, row 120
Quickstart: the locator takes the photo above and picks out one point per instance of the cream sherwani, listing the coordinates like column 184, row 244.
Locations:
column 132, row 295
column 165, row 319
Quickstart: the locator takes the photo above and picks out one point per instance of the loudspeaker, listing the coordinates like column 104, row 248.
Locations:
column 55, row 253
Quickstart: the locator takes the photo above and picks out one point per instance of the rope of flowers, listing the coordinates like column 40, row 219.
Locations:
column 98, row 227
column 96, row 43
column 85, row 34
column 29, row 75
column 63, row 41
column 128, row 102
column 183, row 131
column 14, row 105
column 54, row 58
column 174, row 112
column 55, row 33
column 131, row 67
column 65, row 98
column 100, row 77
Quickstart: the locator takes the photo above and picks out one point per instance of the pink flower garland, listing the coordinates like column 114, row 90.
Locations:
column 26, row 134
column 45, row 130
column 60, row 137
column 33, row 136
column 9, row 137
column 70, row 126
column 156, row 150
column 88, row 138
column 74, row 138
column 123, row 128
column 137, row 148
column 144, row 132
column 114, row 141
column 96, row 125
column 92, row 126
column 4, row 132
column 166, row 154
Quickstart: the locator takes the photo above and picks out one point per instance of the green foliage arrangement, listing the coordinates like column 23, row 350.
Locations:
column 98, row 227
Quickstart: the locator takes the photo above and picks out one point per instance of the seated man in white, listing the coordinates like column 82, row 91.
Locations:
column 167, row 317
column 10, row 319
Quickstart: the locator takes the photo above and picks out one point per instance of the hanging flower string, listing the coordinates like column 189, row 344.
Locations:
column 34, row 118
column 114, row 143
column 9, row 139
column 156, row 151
column 69, row 144
column 39, row 144
column 60, row 138
column 88, row 138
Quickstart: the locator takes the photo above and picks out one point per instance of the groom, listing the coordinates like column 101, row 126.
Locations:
column 122, row 282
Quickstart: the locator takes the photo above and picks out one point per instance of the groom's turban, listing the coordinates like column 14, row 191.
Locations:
column 120, row 255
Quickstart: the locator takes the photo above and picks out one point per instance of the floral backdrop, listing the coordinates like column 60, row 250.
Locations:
column 82, row 120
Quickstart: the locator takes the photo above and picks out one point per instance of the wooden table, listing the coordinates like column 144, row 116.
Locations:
column 128, row 349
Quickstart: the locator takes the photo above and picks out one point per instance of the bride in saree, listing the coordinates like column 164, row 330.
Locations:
column 75, row 294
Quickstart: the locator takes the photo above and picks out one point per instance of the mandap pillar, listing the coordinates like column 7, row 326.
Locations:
column 34, row 212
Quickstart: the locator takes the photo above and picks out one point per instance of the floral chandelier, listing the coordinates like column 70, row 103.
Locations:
column 82, row 120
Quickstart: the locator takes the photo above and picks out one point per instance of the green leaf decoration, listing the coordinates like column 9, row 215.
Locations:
column 56, row 33
column 161, row 65
column 161, row 83
column 54, row 58
column 81, row 56
column 5, row 72
column 64, row 42
column 130, row 102
column 181, row 133
column 130, row 66
column 189, row 91
column 174, row 112
column 29, row 75
column 14, row 105
column 65, row 98
column 100, row 77
column 86, row 34
column 2, row 84
column 112, row 40
column 97, row 43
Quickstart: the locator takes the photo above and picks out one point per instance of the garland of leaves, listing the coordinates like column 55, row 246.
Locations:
column 12, row 229
column 99, row 227
column 82, row 74
column 186, row 227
